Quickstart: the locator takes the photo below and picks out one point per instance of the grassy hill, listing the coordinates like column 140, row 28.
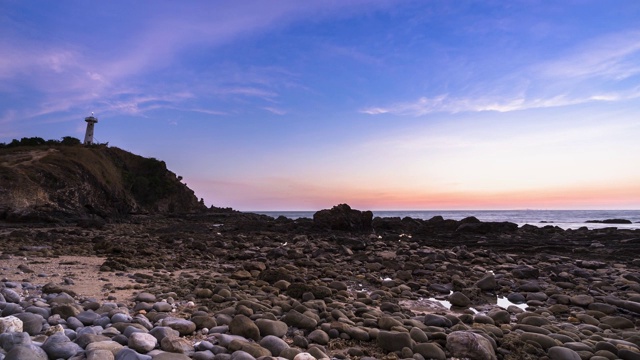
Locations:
column 59, row 182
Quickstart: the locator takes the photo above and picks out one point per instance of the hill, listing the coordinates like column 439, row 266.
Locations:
column 67, row 182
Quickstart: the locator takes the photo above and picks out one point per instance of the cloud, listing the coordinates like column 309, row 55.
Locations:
column 595, row 71
column 614, row 56
column 275, row 111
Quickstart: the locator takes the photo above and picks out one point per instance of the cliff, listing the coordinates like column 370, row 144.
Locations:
column 66, row 183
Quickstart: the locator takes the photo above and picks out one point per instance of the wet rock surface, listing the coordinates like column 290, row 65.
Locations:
column 244, row 286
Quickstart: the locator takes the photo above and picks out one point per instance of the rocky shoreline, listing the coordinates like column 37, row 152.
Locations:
column 229, row 285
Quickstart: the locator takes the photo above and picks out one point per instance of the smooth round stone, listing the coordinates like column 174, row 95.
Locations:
column 535, row 321
column 357, row 333
column 120, row 318
column 44, row 312
column 562, row 353
column 11, row 296
column 274, row 344
column 31, row 323
column 145, row 297
column 418, row 335
column 430, row 351
column 304, row 356
column 516, row 298
column 177, row 345
column 86, row 339
column 487, row 283
column 108, row 345
column 467, row 344
column 11, row 309
column 530, row 287
column 100, row 354
column 581, row 300
column 617, row 322
column 31, row 352
column 161, row 332
column 142, row 342
column 437, row 320
column 272, row 327
column 243, row 326
column 500, row 316
column 393, row 340
column 10, row 340
column 319, row 337
column 170, row 356
column 59, row 345
column 162, row 306
column 387, row 322
column 296, row 319
column 459, row 299
column 74, row 323
column 87, row 317
column 546, row 342
column 183, row 326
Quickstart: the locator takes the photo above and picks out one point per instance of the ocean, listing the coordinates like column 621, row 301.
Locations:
column 566, row 219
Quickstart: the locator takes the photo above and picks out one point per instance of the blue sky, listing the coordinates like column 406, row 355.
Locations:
column 273, row 105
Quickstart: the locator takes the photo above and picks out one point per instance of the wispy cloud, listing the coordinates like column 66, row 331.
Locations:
column 275, row 111
column 615, row 56
column 598, row 70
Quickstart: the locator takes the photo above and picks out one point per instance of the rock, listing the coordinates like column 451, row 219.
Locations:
column 437, row 320
column 272, row 327
column 145, row 297
column 243, row 326
column 581, row 300
column 183, row 326
column 87, row 317
column 319, row 337
column 12, row 339
column 459, row 299
column 342, row 217
column 562, row 353
column 296, row 319
column 467, row 344
column 177, row 345
column 30, row 352
column 142, row 342
column 418, row 335
column 545, row 341
column 10, row 296
column 160, row 332
column 525, row 272
column 274, row 344
column 109, row 345
column 394, row 341
column 99, row 354
column 487, row 283
column 59, row 345
column 31, row 323
column 617, row 322
column 430, row 351
column 10, row 324
column 304, row 356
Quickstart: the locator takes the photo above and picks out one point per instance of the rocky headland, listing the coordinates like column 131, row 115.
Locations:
column 220, row 284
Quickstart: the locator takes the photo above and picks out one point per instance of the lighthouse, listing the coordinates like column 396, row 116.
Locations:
column 88, row 136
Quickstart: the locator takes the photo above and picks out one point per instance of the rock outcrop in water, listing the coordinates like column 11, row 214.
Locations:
column 66, row 183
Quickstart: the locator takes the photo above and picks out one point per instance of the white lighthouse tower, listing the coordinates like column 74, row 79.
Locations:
column 88, row 136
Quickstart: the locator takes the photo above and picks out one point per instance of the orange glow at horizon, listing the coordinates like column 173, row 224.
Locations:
column 625, row 196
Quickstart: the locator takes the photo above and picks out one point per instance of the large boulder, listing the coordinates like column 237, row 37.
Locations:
column 342, row 217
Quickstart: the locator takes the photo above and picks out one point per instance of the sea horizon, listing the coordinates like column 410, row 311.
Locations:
column 566, row 219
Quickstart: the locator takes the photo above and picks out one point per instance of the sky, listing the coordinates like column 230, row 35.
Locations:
column 383, row 105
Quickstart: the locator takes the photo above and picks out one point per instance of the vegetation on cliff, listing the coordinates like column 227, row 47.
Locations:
column 62, row 180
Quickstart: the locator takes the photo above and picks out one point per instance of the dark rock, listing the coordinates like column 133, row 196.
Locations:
column 343, row 218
